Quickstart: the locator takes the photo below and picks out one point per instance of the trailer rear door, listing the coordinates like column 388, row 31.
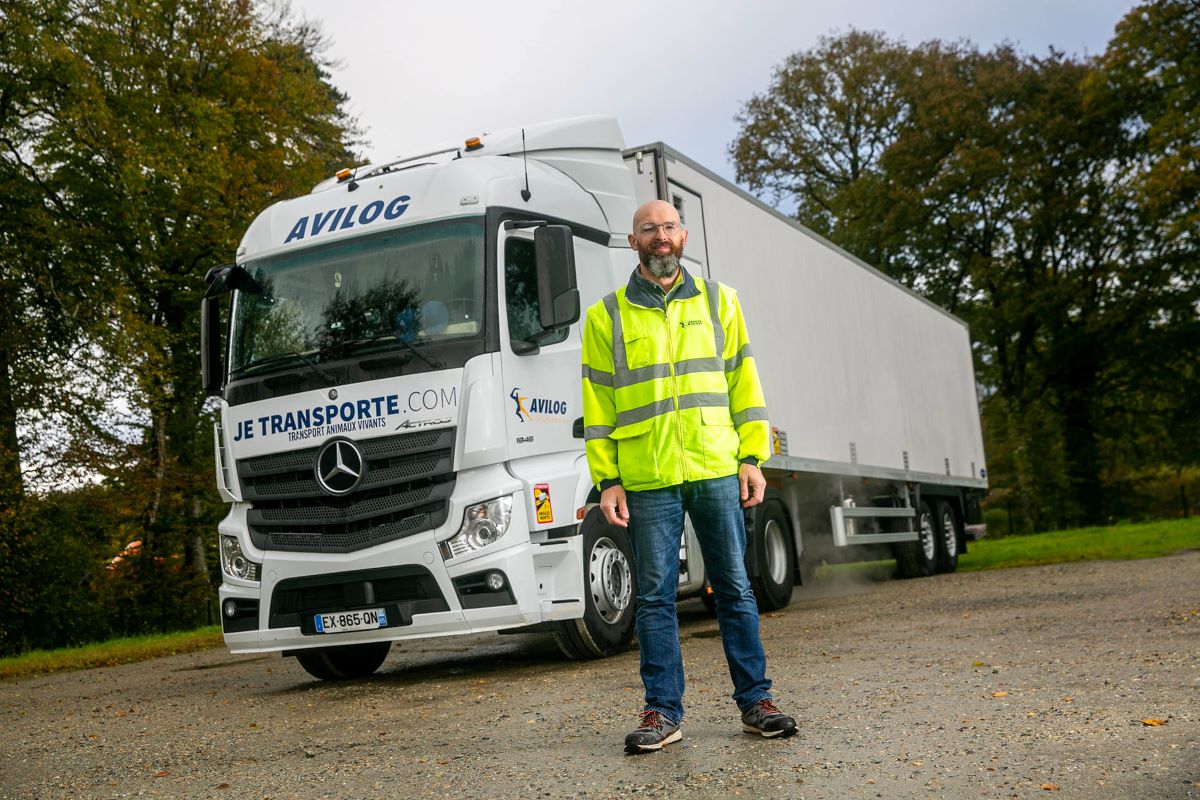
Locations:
column 651, row 181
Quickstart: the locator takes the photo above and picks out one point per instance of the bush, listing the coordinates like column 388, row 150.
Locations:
column 48, row 578
column 59, row 586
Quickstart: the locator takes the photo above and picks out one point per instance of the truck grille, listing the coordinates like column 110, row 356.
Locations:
column 406, row 487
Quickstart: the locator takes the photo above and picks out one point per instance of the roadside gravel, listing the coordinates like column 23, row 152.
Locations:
column 1008, row 684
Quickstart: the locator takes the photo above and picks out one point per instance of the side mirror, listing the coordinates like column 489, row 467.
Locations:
column 226, row 278
column 221, row 280
column 554, row 255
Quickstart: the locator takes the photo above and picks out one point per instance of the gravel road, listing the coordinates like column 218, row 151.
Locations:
column 1009, row 684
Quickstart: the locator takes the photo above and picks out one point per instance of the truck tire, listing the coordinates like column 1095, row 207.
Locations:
column 610, row 587
column 947, row 528
column 774, row 555
column 919, row 559
column 345, row 662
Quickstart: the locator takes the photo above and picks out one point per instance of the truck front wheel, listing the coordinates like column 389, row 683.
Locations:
column 345, row 662
column 772, row 543
column 610, row 586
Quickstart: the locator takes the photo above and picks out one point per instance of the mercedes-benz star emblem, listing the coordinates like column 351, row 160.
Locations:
column 339, row 466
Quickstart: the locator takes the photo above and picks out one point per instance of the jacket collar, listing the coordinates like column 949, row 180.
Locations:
column 648, row 294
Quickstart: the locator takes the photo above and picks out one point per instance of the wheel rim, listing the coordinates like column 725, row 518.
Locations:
column 949, row 535
column 610, row 580
column 776, row 551
column 928, row 538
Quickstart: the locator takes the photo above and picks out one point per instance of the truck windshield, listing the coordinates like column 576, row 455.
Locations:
column 409, row 290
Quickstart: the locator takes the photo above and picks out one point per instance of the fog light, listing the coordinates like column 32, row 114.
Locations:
column 230, row 609
column 495, row 581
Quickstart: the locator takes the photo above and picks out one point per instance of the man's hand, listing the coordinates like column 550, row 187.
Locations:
column 612, row 503
column 753, row 485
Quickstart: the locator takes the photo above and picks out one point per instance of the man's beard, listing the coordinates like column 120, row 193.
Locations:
column 663, row 266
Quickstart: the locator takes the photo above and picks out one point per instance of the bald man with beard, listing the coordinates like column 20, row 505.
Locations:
column 675, row 422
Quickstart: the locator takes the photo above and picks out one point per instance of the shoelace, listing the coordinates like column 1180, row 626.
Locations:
column 768, row 707
column 651, row 719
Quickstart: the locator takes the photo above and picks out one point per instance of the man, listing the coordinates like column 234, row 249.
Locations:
column 676, row 422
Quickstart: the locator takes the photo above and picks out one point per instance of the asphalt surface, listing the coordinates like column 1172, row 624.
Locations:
column 1008, row 684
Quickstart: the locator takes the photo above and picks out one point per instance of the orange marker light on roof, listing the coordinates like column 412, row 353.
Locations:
column 473, row 143
column 343, row 175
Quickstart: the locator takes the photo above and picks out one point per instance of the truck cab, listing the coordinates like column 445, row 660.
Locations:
column 399, row 388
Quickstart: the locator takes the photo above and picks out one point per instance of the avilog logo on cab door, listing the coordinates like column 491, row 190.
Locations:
column 538, row 409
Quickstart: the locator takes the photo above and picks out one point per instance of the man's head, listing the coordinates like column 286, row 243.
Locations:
column 658, row 237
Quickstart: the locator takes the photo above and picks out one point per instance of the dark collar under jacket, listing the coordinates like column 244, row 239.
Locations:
column 649, row 294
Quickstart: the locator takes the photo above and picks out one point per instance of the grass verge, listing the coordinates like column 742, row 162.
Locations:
column 1117, row 543
column 110, row 653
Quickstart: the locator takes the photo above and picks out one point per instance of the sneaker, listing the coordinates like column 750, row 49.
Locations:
column 654, row 732
column 765, row 719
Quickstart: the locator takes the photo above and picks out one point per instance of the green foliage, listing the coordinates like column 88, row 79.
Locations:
column 72, row 570
column 52, row 559
column 52, row 302
column 139, row 139
column 1152, row 69
column 818, row 134
column 1023, row 194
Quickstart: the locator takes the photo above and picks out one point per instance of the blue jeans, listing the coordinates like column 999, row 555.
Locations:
column 655, row 526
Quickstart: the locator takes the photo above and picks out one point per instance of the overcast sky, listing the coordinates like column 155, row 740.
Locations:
column 426, row 75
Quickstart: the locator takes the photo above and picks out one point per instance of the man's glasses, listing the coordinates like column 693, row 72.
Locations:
column 669, row 228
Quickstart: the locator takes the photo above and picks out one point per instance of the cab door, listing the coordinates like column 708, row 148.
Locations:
column 541, row 380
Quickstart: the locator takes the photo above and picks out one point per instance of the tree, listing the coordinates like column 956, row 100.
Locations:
column 1151, row 69
column 154, row 132
column 1005, row 189
column 54, row 304
column 817, row 136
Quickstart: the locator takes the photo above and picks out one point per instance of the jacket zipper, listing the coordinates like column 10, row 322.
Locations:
column 675, row 397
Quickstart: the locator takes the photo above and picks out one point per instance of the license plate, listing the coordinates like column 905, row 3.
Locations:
column 341, row 621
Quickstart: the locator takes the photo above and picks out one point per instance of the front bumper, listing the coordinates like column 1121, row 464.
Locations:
column 424, row 595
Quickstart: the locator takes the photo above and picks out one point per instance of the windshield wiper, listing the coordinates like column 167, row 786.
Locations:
column 347, row 347
column 432, row 362
column 277, row 359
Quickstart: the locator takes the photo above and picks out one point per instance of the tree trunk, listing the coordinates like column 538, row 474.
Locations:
column 1183, row 498
column 12, row 486
column 1085, row 489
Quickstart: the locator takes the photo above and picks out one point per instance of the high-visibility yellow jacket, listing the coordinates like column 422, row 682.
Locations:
column 670, row 389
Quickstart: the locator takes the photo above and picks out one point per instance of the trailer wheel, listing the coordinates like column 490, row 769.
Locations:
column 610, row 584
column 919, row 559
column 345, row 662
column 773, row 552
column 947, row 528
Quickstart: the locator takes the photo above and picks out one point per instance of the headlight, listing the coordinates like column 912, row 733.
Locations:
column 234, row 562
column 483, row 524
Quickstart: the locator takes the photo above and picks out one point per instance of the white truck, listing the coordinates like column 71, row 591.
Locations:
column 400, row 431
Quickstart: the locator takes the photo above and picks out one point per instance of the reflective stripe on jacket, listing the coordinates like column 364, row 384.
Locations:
column 670, row 389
